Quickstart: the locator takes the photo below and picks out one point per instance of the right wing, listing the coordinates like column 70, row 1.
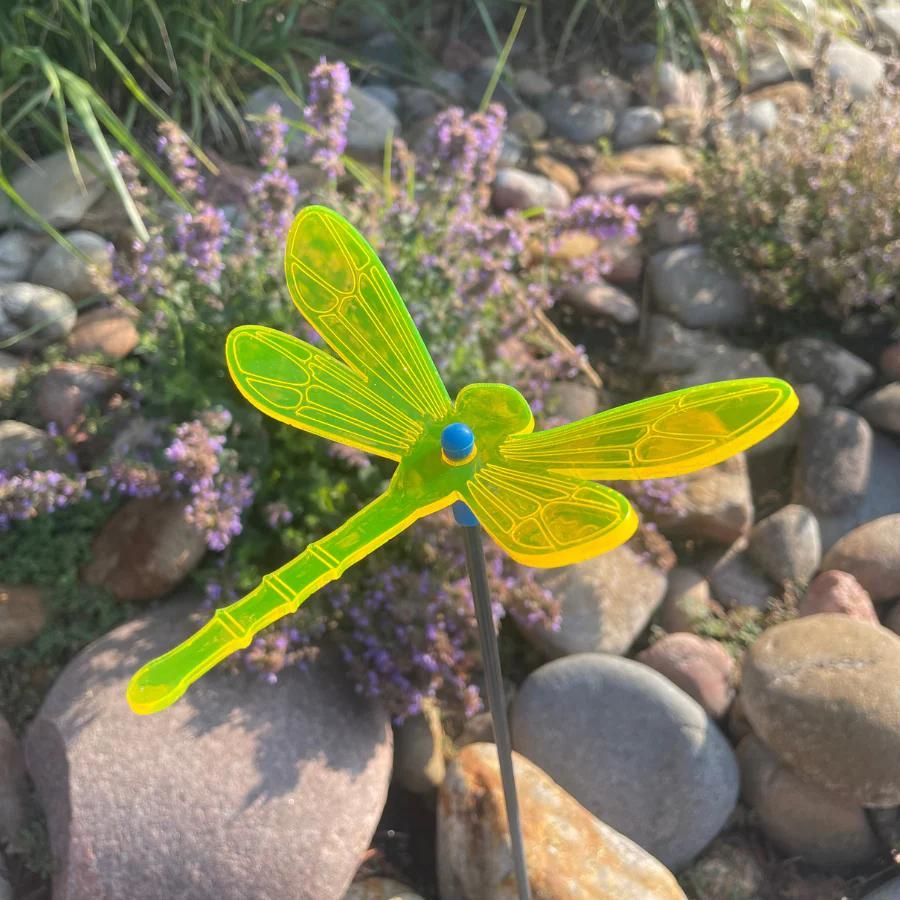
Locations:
column 548, row 521
column 300, row 385
column 339, row 284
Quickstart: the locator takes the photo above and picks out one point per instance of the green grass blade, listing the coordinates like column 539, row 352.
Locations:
column 501, row 60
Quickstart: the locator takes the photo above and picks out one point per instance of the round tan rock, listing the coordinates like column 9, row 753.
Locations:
column 838, row 592
column 22, row 615
column 804, row 820
column 871, row 553
column 104, row 331
column 419, row 752
column 824, row 693
column 700, row 667
column 569, row 852
column 688, row 601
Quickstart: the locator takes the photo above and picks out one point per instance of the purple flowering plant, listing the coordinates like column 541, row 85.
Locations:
column 402, row 621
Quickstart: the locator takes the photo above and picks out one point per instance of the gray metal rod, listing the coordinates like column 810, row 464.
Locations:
column 490, row 654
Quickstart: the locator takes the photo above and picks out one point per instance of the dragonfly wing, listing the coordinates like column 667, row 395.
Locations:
column 300, row 385
column 337, row 281
column 548, row 521
column 670, row 434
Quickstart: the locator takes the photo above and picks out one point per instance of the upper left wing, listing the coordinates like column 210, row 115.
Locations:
column 337, row 281
column 300, row 385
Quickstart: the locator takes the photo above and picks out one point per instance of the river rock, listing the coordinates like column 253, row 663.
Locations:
column 688, row 602
column 605, row 603
column 22, row 614
column 860, row 69
column 787, row 545
column 106, row 331
column 25, row 306
column 577, row 120
column 676, row 225
column 64, row 394
column 834, row 461
column 24, row 446
column 882, row 408
column 603, row 301
column 720, row 361
column 605, row 90
column 515, row 189
column 839, row 374
column 890, row 890
column 735, row 580
column 638, row 125
column 370, row 124
column 237, row 790
column 713, row 504
column 569, row 853
column 145, row 549
column 13, row 785
column 627, row 743
column 887, row 20
column 258, row 103
column 671, row 348
column 700, row 667
column 419, row 751
column 871, row 553
column 18, row 250
column 804, row 820
column 10, row 368
column 380, row 889
column 51, row 189
column 823, row 692
column 59, row 268
column 833, row 591
column 692, row 289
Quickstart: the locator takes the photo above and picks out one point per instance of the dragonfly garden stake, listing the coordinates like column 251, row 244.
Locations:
column 534, row 493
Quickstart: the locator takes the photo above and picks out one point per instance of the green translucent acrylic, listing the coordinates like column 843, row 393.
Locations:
column 533, row 493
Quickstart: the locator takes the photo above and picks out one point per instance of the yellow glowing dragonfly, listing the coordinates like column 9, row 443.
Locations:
column 532, row 492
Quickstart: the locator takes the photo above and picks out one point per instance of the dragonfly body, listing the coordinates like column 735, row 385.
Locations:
column 534, row 493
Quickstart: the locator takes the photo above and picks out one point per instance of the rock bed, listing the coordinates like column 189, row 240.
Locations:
column 637, row 762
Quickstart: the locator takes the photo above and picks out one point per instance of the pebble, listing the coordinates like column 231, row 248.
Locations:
column 24, row 446
column 144, row 550
column 823, row 692
column 728, row 870
column 577, row 120
column 237, row 790
column 381, row 889
column 392, row 99
column 637, row 189
column 889, row 361
column 13, row 785
column 714, row 504
column 802, row 819
column 632, row 747
column 664, row 84
column 18, row 250
column 839, row 374
column 10, row 369
column 479, row 77
column 882, row 497
column 882, row 408
column 557, row 172
column 65, row 393
column 860, row 69
column 604, row 90
column 528, row 124
column 532, row 85
column 787, row 545
column 451, row 84
column 758, row 118
column 656, row 160
column 571, row 400
column 370, row 124
column 419, row 752
column 25, row 306
column 602, row 300
column 834, row 461
column 638, row 125
column 58, row 268
column 833, row 591
column 783, row 64
column 887, row 20
column 677, row 225
column 51, row 189
column 671, row 348
column 22, row 614
column 789, row 97
column 890, row 890
column 720, row 361
column 688, row 602
column 569, row 854
column 106, row 331
column 871, row 554
column 688, row 286
column 605, row 603
column 734, row 579
column 702, row 668
column 516, row 189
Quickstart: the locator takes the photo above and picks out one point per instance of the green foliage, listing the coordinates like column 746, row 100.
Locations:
column 48, row 552
column 810, row 217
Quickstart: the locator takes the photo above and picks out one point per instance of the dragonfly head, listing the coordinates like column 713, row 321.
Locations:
column 482, row 417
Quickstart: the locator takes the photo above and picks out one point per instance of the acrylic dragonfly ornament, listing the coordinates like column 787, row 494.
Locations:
column 533, row 492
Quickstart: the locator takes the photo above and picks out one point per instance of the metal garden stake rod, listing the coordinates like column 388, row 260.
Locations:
column 458, row 442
